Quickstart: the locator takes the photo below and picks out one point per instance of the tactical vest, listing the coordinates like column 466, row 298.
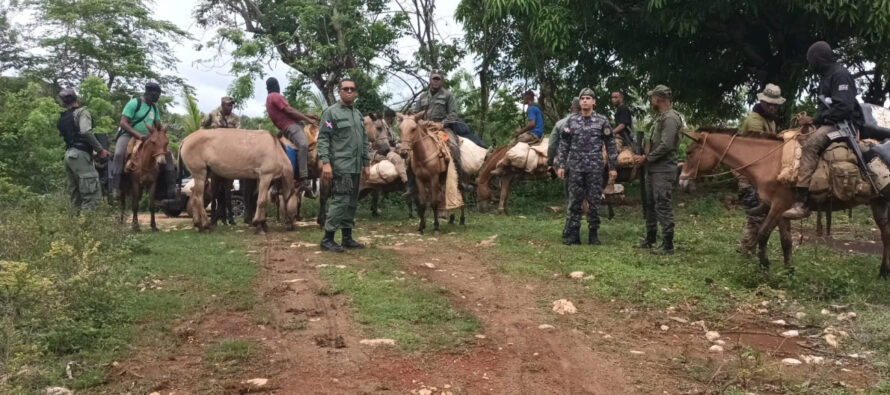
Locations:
column 70, row 132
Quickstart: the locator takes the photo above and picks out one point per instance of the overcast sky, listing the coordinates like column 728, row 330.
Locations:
column 212, row 79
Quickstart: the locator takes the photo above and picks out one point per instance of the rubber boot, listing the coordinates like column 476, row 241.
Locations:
column 799, row 209
column 667, row 245
column 328, row 243
column 651, row 236
column 593, row 237
column 347, row 242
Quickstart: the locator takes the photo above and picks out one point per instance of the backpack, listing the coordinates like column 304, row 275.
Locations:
column 121, row 131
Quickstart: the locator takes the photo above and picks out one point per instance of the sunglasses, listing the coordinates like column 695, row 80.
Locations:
column 437, row 79
column 349, row 89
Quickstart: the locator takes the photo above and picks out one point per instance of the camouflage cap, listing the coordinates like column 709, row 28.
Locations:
column 437, row 73
column 67, row 92
column 227, row 100
column 586, row 92
column 661, row 91
column 576, row 102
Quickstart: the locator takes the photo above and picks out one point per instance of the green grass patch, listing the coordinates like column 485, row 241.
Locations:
column 230, row 352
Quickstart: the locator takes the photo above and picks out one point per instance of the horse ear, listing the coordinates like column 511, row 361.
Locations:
column 400, row 116
column 693, row 137
column 151, row 129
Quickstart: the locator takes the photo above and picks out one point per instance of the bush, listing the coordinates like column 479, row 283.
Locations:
column 59, row 286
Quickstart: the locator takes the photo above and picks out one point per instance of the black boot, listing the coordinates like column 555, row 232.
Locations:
column 571, row 237
column 667, row 245
column 347, row 241
column 651, row 236
column 328, row 243
column 799, row 209
column 593, row 237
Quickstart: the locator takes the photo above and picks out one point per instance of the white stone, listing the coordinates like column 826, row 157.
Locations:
column 429, row 265
column 779, row 322
column 716, row 348
column 712, row 335
column 791, row 362
column 665, row 328
column 58, row 391
column 576, row 275
column 480, row 336
column 800, row 315
column 791, row 333
column 546, row 327
column 377, row 342
column 635, row 352
column 720, row 342
column 563, row 306
column 826, row 312
column 257, row 382
column 812, row 359
column 831, row 340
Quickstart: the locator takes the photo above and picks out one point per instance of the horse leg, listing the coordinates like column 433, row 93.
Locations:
column 135, row 194
column 463, row 218
column 324, row 192
column 787, row 245
column 151, row 205
column 819, row 223
column 828, row 223
column 375, row 201
column 421, row 200
column 505, row 193
column 199, row 212
column 879, row 210
column 436, row 197
column 763, row 234
column 611, row 213
column 259, row 219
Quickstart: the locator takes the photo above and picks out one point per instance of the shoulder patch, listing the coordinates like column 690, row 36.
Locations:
column 328, row 124
column 843, row 87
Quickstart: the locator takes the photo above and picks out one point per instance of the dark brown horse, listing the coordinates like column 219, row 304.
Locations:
column 760, row 161
column 143, row 173
column 429, row 163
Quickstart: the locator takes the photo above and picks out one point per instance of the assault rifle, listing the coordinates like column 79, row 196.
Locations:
column 847, row 133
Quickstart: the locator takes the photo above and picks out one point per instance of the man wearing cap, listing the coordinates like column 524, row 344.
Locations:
column 553, row 147
column 138, row 113
column 580, row 152
column 760, row 123
column 290, row 123
column 343, row 150
column 76, row 128
column 660, row 159
column 838, row 85
column 437, row 104
column 222, row 118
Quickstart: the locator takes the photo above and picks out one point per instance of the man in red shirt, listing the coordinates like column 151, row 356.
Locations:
column 290, row 122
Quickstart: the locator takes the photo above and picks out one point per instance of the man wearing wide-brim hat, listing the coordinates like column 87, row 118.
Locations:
column 761, row 122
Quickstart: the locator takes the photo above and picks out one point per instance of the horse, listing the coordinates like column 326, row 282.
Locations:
column 374, row 126
column 760, row 161
column 429, row 163
column 143, row 173
column 238, row 154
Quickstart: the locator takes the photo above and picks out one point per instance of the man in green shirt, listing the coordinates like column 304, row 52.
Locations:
column 438, row 105
column 136, row 114
column 76, row 128
column 660, row 160
column 343, row 150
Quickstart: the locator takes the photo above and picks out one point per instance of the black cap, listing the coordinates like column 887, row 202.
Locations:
column 68, row 92
column 529, row 93
column 153, row 87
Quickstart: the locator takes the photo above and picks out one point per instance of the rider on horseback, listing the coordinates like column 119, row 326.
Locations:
column 836, row 83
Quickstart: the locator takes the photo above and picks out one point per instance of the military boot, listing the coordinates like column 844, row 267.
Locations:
column 347, row 242
column 667, row 245
column 799, row 209
column 571, row 237
column 328, row 243
column 650, row 240
column 593, row 237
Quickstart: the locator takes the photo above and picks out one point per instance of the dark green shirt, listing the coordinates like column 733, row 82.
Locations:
column 661, row 148
column 439, row 106
column 342, row 139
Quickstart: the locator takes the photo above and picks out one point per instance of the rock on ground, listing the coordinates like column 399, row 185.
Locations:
column 377, row 342
column 563, row 306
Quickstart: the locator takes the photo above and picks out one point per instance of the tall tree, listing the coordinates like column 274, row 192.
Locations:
column 10, row 42
column 117, row 40
column 708, row 51
column 323, row 41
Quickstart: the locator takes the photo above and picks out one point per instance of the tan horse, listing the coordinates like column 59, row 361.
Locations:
column 505, row 180
column 238, row 154
column 429, row 164
column 760, row 161
column 144, row 174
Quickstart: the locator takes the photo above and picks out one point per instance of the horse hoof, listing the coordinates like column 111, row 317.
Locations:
column 155, row 229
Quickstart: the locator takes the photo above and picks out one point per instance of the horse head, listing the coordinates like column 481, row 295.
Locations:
column 700, row 159
column 155, row 146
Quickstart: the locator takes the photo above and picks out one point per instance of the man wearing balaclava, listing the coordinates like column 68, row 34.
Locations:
column 291, row 122
column 835, row 83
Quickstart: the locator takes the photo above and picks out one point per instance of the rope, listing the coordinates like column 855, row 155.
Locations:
column 737, row 168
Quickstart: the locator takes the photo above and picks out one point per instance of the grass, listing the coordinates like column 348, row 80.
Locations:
column 230, row 354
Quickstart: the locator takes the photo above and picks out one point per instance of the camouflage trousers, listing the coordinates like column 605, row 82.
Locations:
column 748, row 197
column 811, row 149
column 83, row 180
column 584, row 186
column 659, row 192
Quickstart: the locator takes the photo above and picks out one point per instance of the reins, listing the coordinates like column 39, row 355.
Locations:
column 723, row 156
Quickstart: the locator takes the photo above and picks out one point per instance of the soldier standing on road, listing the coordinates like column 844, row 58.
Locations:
column 660, row 160
column 343, row 150
column 76, row 128
column 553, row 147
column 580, row 152
column 222, row 118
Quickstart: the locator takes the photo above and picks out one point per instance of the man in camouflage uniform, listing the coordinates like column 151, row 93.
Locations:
column 660, row 161
column 760, row 123
column 343, row 150
column 222, row 118
column 76, row 128
column 438, row 105
column 553, row 147
column 580, row 152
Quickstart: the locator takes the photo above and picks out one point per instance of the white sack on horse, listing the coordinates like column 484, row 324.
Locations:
column 472, row 156
column 382, row 173
column 524, row 156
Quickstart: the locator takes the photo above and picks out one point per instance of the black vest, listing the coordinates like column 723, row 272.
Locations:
column 70, row 132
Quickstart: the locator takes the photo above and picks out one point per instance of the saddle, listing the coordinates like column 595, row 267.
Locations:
column 132, row 148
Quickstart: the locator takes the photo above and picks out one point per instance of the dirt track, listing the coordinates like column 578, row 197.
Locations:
column 604, row 349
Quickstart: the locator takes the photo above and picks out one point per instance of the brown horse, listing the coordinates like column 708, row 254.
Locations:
column 143, row 173
column 429, row 164
column 238, row 154
column 760, row 161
